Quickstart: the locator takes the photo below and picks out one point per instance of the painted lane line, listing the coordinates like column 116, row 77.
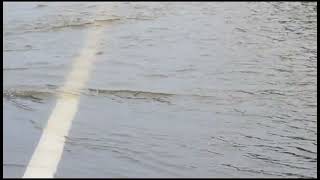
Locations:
column 46, row 157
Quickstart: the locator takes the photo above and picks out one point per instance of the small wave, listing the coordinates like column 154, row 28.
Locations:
column 305, row 150
column 292, row 137
column 41, row 5
column 13, row 165
column 36, row 95
column 15, row 69
column 58, row 24
column 33, row 95
column 252, row 170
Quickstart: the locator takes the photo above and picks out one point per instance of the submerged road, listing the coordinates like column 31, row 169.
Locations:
column 160, row 89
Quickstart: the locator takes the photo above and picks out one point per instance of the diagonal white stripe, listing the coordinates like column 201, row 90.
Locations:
column 47, row 155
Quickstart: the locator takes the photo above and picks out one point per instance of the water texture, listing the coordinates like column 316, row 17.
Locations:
column 178, row 89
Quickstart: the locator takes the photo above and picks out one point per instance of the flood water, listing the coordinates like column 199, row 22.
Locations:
column 177, row 89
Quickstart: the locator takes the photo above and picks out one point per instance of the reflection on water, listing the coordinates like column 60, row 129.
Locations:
column 210, row 89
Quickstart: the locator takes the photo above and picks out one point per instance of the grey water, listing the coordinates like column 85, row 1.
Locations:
column 178, row 89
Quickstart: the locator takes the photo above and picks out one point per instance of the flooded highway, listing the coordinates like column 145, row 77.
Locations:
column 160, row 89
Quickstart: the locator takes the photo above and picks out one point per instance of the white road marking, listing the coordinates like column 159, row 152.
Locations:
column 46, row 157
